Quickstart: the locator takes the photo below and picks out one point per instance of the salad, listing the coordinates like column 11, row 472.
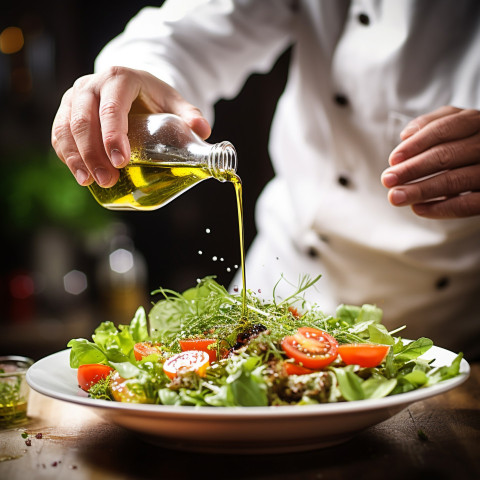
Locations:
column 195, row 348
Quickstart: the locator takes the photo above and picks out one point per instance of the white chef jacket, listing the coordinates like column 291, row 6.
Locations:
column 360, row 70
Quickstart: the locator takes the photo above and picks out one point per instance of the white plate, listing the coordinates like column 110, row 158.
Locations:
column 238, row 429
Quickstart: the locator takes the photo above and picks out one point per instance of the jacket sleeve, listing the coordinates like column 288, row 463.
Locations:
column 205, row 49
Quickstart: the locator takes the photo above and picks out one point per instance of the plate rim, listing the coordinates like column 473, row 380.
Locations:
column 334, row 408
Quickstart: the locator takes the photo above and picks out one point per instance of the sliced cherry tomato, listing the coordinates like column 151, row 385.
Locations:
column 90, row 373
column 363, row 354
column 294, row 312
column 199, row 344
column 191, row 360
column 122, row 392
column 311, row 347
column 296, row 369
column 144, row 349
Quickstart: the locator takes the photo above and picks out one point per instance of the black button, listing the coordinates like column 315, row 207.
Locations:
column 313, row 252
column 340, row 100
column 364, row 19
column 442, row 282
column 343, row 181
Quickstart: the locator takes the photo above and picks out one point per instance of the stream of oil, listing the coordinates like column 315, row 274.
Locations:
column 147, row 186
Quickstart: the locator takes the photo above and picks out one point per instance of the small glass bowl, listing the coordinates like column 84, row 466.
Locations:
column 13, row 389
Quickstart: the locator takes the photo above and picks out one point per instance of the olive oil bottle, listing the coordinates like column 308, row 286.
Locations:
column 167, row 159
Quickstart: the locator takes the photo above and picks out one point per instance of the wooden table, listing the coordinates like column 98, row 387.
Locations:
column 76, row 444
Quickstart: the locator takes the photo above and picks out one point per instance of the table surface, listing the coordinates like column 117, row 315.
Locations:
column 436, row 438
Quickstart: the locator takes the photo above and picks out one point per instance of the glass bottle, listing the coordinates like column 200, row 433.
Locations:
column 167, row 158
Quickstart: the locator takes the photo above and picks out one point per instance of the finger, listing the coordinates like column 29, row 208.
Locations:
column 65, row 146
column 116, row 97
column 446, row 184
column 461, row 206
column 193, row 118
column 86, row 131
column 441, row 157
column 418, row 123
column 173, row 102
column 156, row 96
column 447, row 128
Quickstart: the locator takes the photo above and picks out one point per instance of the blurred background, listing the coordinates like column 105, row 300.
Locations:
column 67, row 264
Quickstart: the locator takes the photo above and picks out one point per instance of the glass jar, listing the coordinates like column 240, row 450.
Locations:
column 13, row 389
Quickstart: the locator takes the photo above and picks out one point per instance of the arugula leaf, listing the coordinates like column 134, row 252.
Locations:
column 413, row 350
column 350, row 385
column 378, row 386
column 247, row 392
column 223, row 397
column 126, row 369
column 366, row 315
column 348, row 313
column 417, row 378
column 378, row 333
column 168, row 397
column 370, row 313
column 445, row 372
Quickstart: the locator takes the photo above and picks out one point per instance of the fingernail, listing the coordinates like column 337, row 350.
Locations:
column 117, row 158
column 390, row 180
column 81, row 176
column 409, row 130
column 398, row 197
column 102, row 176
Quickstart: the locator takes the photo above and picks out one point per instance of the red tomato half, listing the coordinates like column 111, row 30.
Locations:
column 311, row 347
column 90, row 373
column 192, row 360
column 363, row 354
column 199, row 344
column 295, row 369
column 144, row 349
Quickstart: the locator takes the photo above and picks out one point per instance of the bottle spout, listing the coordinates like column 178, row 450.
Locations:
column 222, row 161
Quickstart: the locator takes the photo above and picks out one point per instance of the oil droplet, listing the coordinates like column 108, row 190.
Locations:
column 200, row 252
column 207, row 230
column 229, row 269
column 221, row 259
column 214, row 258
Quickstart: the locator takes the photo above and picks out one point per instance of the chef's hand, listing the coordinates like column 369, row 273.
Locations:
column 444, row 147
column 89, row 133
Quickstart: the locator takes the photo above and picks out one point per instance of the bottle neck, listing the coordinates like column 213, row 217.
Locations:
column 222, row 161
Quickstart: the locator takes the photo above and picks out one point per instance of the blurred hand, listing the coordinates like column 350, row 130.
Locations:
column 436, row 167
column 89, row 133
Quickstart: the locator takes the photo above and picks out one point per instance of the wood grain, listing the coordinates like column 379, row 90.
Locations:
column 436, row 438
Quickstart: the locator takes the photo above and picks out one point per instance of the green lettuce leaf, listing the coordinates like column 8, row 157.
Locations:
column 82, row 352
